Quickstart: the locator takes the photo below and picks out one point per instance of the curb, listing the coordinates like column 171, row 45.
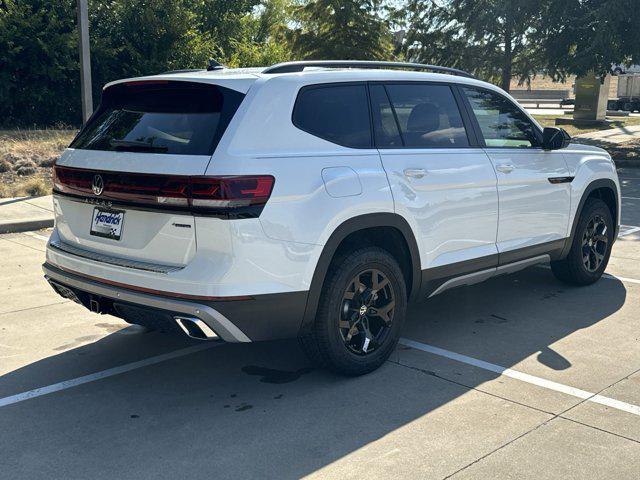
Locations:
column 25, row 225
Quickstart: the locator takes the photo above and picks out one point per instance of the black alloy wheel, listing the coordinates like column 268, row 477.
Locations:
column 591, row 245
column 595, row 243
column 366, row 315
column 360, row 313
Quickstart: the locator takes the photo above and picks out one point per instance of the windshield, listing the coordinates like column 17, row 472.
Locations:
column 160, row 117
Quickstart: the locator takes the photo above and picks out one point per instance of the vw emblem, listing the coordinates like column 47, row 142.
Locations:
column 97, row 185
column 363, row 310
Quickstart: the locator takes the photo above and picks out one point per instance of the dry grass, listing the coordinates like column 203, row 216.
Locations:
column 627, row 151
column 35, row 145
column 26, row 157
column 549, row 121
column 33, row 187
column 545, row 83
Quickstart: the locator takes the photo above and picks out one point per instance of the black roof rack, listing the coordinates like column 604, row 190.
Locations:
column 291, row 67
column 186, row 70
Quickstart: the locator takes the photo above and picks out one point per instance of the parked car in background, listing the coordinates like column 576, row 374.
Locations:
column 628, row 92
column 620, row 69
column 315, row 200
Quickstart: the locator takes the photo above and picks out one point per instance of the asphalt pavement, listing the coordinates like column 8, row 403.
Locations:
column 519, row 377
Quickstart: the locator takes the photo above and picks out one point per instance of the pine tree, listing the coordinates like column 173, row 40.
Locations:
column 488, row 37
column 341, row 30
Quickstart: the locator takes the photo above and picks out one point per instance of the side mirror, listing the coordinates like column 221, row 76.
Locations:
column 554, row 138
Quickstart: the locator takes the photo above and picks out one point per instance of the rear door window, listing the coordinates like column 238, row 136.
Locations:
column 155, row 116
column 337, row 113
column 427, row 116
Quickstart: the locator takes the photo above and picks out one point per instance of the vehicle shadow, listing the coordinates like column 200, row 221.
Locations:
column 260, row 411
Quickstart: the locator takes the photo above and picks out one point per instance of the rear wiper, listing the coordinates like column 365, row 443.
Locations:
column 136, row 146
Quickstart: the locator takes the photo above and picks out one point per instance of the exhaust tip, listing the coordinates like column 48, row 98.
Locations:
column 196, row 328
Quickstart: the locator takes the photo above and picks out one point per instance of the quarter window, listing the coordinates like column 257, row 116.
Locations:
column 426, row 114
column 337, row 113
column 384, row 120
column 501, row 122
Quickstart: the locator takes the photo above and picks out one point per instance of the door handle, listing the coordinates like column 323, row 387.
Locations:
column 415, row 172
column 506, row 168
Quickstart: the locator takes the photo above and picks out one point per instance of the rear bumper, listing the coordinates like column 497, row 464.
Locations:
column 262, row 317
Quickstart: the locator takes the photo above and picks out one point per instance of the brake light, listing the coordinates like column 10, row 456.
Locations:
column 231, row 192
column 146, row 82
column 224, row 193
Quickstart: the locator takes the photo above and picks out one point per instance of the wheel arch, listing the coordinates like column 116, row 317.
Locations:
column 604, row 189
column 340, row 238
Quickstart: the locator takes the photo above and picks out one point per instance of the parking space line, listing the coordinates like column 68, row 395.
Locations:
column 607, row 276
column 524, row 377
column 630, row 198
column 629, row 229
column 92, row 377
column 37, row 235
column 622, row 279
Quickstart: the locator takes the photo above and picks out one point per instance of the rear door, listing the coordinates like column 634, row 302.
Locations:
column 440, row 181
column 122, row 187
column 534, row 195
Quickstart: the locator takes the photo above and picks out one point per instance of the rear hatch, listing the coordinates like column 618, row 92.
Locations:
column 126, row 186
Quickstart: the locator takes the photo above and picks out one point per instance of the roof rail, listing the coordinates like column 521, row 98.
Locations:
column 186, row 70
column 291, row 67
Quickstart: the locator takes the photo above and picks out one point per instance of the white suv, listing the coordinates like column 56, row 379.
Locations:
column 314, row 200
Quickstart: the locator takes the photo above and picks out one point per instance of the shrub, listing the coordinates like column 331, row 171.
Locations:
column 25, row 170
column 47, row 162
column 37, row 187
column 5, row 166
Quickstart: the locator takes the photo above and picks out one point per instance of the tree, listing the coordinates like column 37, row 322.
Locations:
column 38, row 62
column 488, row 37
column 582, row 36
column 340, row 29
column 264, row 41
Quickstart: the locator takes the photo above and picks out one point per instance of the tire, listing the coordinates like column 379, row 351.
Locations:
column 590, row 248
column 338, row 338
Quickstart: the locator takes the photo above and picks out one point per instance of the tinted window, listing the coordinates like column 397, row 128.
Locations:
column 384, row 121
column 160, row 117
column 427, row 115
column 337, row 113
column 502, row 123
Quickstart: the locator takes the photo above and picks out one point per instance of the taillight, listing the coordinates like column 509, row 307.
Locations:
column 230, row 192
column 224, row 194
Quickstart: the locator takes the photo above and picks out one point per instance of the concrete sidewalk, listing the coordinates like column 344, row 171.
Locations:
column 615, row 135
column 25, row 213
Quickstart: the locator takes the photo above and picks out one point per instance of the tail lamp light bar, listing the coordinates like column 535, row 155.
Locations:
column 173, row 191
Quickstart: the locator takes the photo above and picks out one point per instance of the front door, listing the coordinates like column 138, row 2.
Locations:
column 533, row 183
column 441, row 183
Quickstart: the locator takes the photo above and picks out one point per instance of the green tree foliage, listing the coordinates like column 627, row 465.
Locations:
column 264, row 42
column 39, row 66
column 580, row 36
column 487, row 37
column 341, row 29
column 143, row 37
column 38, row 62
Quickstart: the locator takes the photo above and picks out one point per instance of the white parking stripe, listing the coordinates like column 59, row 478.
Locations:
column 37, row 235
column 631, row 198
column 608, row 276
column 622, row 279
column 524, row 377
column 629, row 229
column 74, row 382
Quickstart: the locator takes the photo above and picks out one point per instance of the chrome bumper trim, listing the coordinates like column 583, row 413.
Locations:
column 214, row 319
column 111, row 260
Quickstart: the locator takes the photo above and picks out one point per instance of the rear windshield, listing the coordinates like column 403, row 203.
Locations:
column 160, row 117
